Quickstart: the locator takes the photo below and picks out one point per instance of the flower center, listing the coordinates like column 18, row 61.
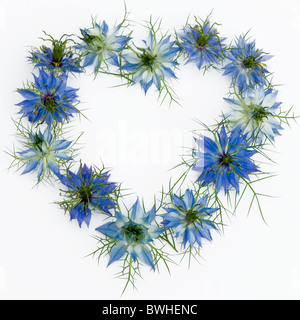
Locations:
column 50, row 103
column 134, row 233
column 58, row 52
column 249, row 63
column 147, row 59
column 203, row 40
column 259, row 113
column 191, row 216
column 225, row 160
column 85, row 193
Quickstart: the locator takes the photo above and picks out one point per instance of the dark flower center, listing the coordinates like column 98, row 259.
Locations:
column 259, row 113
column 225, row 160
column 203, row 40
column 85, row 194
column 147, row 59
column 249, row 63
column 134, row 232
column 50, row 103
column 37, row 140
column 191, row 216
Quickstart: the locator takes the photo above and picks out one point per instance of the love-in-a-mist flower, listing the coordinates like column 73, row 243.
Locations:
column 44, row 154
column 102, row 45
column 255, row 113
column 202, row 44
column 58, row 58
column 152, row 64
column 247, row 64
column 190, row 218
column 88, row 189
column 49, row 99
column 224, row 160
column 132, row 234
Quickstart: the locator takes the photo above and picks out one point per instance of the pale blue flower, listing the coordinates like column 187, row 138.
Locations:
column 45, row 154
column 133, row 233
column 255, row 114
column 152, row 64
column 189, row 217
column 101, row 44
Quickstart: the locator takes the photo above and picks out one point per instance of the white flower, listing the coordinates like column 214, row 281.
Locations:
column 255, row 114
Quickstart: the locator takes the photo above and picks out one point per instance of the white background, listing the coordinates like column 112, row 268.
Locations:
column 42, row 253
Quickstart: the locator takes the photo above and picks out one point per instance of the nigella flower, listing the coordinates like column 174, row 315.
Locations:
column 225, row 160
column 247, row 67
column 133, row 234
column 102, row 45
column 152, row 64
column 255, row 114
column 202, row 44
column 49, row 100
column 45, row 154
column 87, row 189
column 190, row 218
column 59, row 57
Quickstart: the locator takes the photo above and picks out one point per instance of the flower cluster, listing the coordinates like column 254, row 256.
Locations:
column 223, row 159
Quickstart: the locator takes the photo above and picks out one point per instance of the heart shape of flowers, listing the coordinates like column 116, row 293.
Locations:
column 223, row 159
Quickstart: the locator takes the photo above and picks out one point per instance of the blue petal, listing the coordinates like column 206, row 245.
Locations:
column 54, row 167
column 117, row 252
column 179, row 203
column 60, row 145
column 89, row 59
column 31, row 165
column 144, row 253
column 29, row 95
column 189, row 199
column 110, row 229
column 137, row 213
column 82, row 213
column 150, row 216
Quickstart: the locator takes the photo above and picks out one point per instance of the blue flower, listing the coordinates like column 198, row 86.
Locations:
column 50, row 100
column 45, row 154
column 247, row 67
column 101, row 45
column 152, row 64
column 255, row 113
column 225, row 160
column 88, row 189
column 132, row 233
column 190, row 218
column 59, row 57
column 202, row 44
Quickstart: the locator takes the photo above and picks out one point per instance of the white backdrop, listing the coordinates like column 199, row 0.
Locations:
column 43, row 254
